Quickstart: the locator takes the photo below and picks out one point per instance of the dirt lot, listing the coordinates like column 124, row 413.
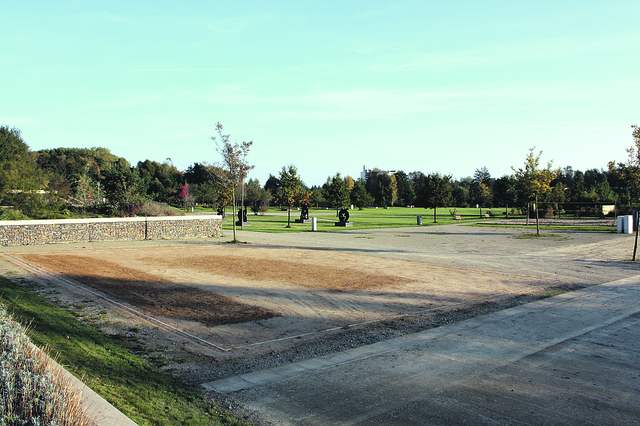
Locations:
column 206, row 310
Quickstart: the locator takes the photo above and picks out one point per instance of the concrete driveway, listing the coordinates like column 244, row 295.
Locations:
column 573, row 359
column 570, row 360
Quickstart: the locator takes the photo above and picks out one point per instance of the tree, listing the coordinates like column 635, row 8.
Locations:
column 290, row 186
column 22, row 184
column 316, row 196
column 84, row 189
column 629, row 172
column 406, row 195
column 163, row 180
column 438, row 192
column 123, row 186
column 257, row 197
column 359, row 195
column 206, row 183
column 505, row 192
column 338, row 193
column 234, row 162
column 383, row 187
column 418, row 183
column 534, row 181
column 273, row 186
column 482, row 183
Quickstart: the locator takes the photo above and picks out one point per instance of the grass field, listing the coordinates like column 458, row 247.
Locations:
column 275, row 220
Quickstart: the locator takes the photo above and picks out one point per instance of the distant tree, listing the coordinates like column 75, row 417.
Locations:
column 163, row 180
column 256, row 197
column 85, row 189
column 383, row 187
column 482, row 175
column 350, row 182
column 234, row 162
column 337, row 192
column 391, row 190
column 438, row 192
column 198, row 173
column 462, row 192
column 122, row 186
column 290, row 186
column 593, row 177
column 273, row 186
column 418, row 183
column 22, row 184
column 360, row 197
column 482, row 183
column 505, row 192
column 534, row 181
column 316, row 196
column 406, row 195
column 206, row 183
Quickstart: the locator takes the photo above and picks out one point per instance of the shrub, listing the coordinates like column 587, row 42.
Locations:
column 12, row 214
column 152, row 208
column 32, row 391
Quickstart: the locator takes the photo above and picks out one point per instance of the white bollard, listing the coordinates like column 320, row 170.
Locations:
column 627, row 224
column 314, row 223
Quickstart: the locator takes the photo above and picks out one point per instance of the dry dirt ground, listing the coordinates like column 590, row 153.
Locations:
column 206, row 309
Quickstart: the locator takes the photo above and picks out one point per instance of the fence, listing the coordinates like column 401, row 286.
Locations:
column 29, row 232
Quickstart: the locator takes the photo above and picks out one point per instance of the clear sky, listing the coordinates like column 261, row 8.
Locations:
column 328, row 86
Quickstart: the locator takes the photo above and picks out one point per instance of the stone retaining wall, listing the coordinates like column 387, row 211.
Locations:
column 28, row 232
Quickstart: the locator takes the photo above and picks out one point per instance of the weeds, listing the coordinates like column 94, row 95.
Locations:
column 32, row 390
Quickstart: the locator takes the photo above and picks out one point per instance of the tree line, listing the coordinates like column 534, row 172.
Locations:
column 62, row 182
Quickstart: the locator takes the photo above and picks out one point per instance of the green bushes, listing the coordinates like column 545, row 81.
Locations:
column 31, row 391
column 12, row 214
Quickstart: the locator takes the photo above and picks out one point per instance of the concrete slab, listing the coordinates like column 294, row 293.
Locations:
column 573, row 359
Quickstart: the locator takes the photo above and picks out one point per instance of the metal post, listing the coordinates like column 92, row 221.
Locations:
column 242, row 214
column 636, row 223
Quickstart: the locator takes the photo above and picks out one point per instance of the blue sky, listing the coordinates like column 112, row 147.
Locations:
column 327, row 86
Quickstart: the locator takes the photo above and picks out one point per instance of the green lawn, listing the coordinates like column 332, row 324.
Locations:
column 275, row 220
column 108, row 365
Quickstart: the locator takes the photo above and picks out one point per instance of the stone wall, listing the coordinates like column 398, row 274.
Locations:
column 27, row 232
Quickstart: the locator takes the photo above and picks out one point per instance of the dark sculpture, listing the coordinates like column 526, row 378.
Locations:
column 304, row 214
column 242, row 215
column 343, row 215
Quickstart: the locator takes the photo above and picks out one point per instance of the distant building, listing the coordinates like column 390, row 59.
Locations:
column 364, row 174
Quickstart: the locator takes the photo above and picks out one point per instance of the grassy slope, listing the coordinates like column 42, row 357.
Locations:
column 135, row 387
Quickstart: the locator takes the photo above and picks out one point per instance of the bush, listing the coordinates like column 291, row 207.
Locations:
column 32, row 391
column 149, row 208
column 12, row 214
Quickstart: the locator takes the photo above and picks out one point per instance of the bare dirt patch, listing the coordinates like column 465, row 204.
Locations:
column 294, row 273
column 152, row 293
column 260, row 306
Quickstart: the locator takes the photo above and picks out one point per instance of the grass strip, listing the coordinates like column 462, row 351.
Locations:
column 135, row 387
